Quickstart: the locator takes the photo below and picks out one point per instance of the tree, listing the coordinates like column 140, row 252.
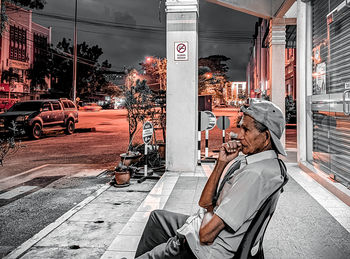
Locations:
column 155, row 71
column 212, row 75
column 90, row 74
column 41, row 69
column 144, row 104
column 138, row 102
column 9, row 76
column 33, row 4
column 205, row 77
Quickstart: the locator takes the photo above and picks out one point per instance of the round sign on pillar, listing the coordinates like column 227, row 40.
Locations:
column 223, row 122
column 212, row 120
column 147, row 132
column 204, row 120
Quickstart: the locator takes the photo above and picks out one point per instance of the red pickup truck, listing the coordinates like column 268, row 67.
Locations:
column 32, row 117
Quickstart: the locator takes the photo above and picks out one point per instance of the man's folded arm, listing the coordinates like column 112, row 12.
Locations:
column 210, row 228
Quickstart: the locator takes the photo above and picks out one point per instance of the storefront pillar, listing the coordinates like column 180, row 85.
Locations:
column 182, row 80
column 304, row 81
column 277, row 43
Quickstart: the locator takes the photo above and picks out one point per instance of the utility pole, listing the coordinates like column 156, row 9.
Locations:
column 75, row 54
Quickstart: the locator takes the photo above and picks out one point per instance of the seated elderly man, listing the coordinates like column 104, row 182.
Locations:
column 234, row 192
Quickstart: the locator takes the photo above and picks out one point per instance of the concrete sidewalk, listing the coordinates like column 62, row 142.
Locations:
column 310, row 222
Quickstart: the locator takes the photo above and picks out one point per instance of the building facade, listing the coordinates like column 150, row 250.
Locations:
column 22, row 43
column 307, row 58
column 258, row 73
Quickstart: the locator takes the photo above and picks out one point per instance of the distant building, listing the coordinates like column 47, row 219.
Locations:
column 258, row 68
column 239, row 93
column 22, row 42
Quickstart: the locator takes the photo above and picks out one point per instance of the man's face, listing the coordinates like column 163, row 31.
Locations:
column 251, row 139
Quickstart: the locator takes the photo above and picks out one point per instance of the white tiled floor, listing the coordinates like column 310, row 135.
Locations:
column 338, row 209
column 125, row 244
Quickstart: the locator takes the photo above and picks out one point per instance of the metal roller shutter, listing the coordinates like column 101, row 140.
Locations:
column 331, row 127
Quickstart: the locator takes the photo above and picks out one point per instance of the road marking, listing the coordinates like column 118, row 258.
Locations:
column 21, row 174
column 17, row 191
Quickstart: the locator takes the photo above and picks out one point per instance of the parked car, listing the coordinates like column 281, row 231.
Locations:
column 94, row 107
column 34, row 116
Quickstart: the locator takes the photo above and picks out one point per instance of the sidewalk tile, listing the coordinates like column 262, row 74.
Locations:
column 113, row 197
column 133, row 229
column 187, row 183
column 63, row 252
column 184, row 208
column 124, row 243
column 140, row 216
column 118, row 255
column 103, row 211
column 161, row 191
column 84, row 234
column 182, row 195
column 149, row 206
column 156, row 198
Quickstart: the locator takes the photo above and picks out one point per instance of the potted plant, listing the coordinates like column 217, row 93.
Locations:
column 121, row 176
column 130, row 157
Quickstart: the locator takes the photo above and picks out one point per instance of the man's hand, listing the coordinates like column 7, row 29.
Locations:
column 229, row 151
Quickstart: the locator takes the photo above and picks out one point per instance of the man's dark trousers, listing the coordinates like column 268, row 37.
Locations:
column 159, row 238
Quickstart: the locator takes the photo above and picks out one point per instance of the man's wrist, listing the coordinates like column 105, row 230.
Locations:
column 222, row 163
column 220, row 166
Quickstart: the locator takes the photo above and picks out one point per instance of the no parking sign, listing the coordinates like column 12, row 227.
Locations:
column 181, row 51
column 147, row 132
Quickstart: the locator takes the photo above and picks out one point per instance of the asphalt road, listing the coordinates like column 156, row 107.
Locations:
column 99, row 149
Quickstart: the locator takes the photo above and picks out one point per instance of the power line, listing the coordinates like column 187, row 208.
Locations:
column 225, row 35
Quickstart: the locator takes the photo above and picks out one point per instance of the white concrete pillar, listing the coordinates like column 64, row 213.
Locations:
column 182, row 81
column 277, row 42
column 304, row 81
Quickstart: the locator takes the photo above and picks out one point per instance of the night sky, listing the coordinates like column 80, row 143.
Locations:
column 130, row 30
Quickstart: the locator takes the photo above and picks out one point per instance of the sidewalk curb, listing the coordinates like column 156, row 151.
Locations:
column 20, row 250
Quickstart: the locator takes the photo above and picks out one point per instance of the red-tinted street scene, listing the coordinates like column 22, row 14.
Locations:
column 175, row 129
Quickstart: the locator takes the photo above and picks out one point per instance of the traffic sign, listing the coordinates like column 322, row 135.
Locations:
column 212, row 120
column 204, row 121
column 223, row 122
column 181, row 51
column 147, row 132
